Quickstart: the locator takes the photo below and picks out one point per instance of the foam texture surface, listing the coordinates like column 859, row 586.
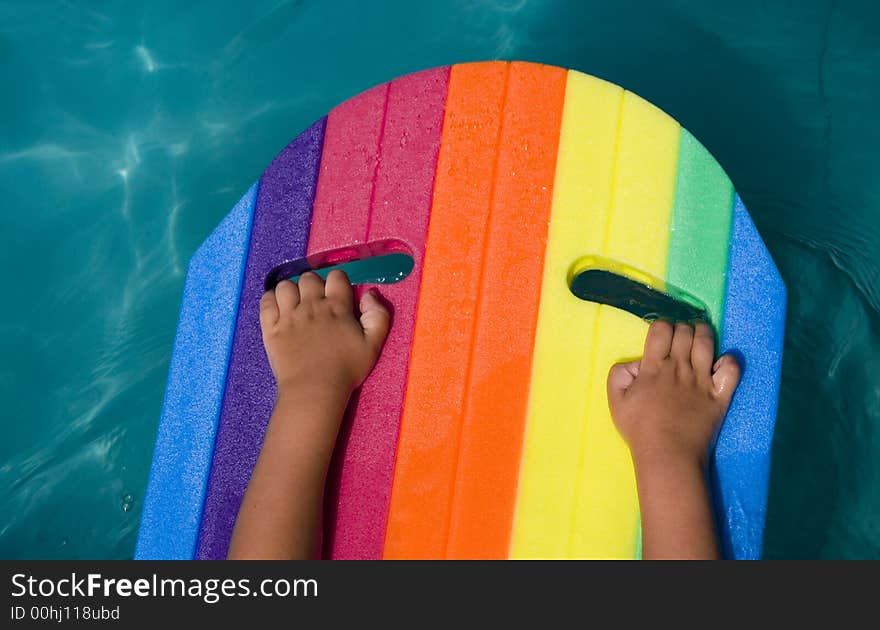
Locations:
column 280, row 231
column 430, row 426
column 194, row 393
column 701, row 220
column 754, row 330
column 499, row 374
column 391, row 137
column 472, row 484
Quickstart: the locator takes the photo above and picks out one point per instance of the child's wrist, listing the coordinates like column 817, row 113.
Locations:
column 314, row 411
column 324, row 389
column 653, row 458
column 317, row 383
column 668, row 473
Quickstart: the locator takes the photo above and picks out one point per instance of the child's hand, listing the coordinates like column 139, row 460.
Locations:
column 671, row 403
column 319, row 351
column 668, row 407
column 313, row 337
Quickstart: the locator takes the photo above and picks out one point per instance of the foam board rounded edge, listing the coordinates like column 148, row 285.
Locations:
column 184, row 447
column 754, row 331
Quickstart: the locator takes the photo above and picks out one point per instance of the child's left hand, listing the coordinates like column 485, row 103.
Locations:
column 319, row 351
column 313, row 337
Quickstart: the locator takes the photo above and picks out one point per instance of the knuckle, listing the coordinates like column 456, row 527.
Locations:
column 339, row 309
column 683, row 328
column 663, row 325
column 306, row 278
column 703, row 345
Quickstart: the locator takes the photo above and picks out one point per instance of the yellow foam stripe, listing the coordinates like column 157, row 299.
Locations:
column 562, row 355
column 606, row 518
column 644, row 187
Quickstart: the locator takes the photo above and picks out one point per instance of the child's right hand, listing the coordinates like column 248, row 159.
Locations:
column 671, row 403
column 313, row 337
column 669, row 406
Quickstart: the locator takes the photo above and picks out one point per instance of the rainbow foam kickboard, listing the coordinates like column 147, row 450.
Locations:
column 484, row 430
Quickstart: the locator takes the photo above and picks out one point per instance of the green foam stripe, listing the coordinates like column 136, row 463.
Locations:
column 638, row 552
column 701, row 221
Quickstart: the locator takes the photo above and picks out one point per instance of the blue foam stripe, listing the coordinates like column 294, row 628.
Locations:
column 193, row 397
column 754, row 328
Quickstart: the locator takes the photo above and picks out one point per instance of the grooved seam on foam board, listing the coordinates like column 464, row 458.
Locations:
column 345, row 187
column 419, row 269
column 401, row 208
column 386, row 99
column 607, row 236
column 226, row 378
column 249, row 383
column 595, row 336
column 204, row 500
column 154, row 541
column 360, row 474
column 416, row 274
column 723, row 305
column 484, row 247
column 235, row 336
column 701, row 221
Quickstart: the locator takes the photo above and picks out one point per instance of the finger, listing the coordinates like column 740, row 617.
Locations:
column 682, row 342
column 375, row 319
column 726, row 377
column 268, row 309
column 621, row 377
column 311, row 286
column 287, row 296
column 658, row 342
column 703, row 350
column 338, row 288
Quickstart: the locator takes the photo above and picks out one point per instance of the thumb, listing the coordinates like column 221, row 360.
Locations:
column 620, row 378
column 375, row 319
column 725, row 378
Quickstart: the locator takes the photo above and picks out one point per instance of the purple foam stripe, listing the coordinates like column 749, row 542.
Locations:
column 280, row 231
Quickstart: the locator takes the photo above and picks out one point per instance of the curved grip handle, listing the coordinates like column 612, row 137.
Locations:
column 608, row 281
column 385, row 261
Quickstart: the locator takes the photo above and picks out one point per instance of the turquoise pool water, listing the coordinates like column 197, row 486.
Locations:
column 128, row 130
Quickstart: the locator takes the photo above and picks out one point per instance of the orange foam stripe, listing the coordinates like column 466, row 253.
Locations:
column 418, row 515
column 510, row 289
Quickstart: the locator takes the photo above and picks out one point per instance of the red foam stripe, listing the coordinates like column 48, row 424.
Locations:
column 348, row 166
column 391, row 201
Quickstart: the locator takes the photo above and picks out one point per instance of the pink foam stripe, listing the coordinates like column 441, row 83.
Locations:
column 359, row 486
column 348, row 166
